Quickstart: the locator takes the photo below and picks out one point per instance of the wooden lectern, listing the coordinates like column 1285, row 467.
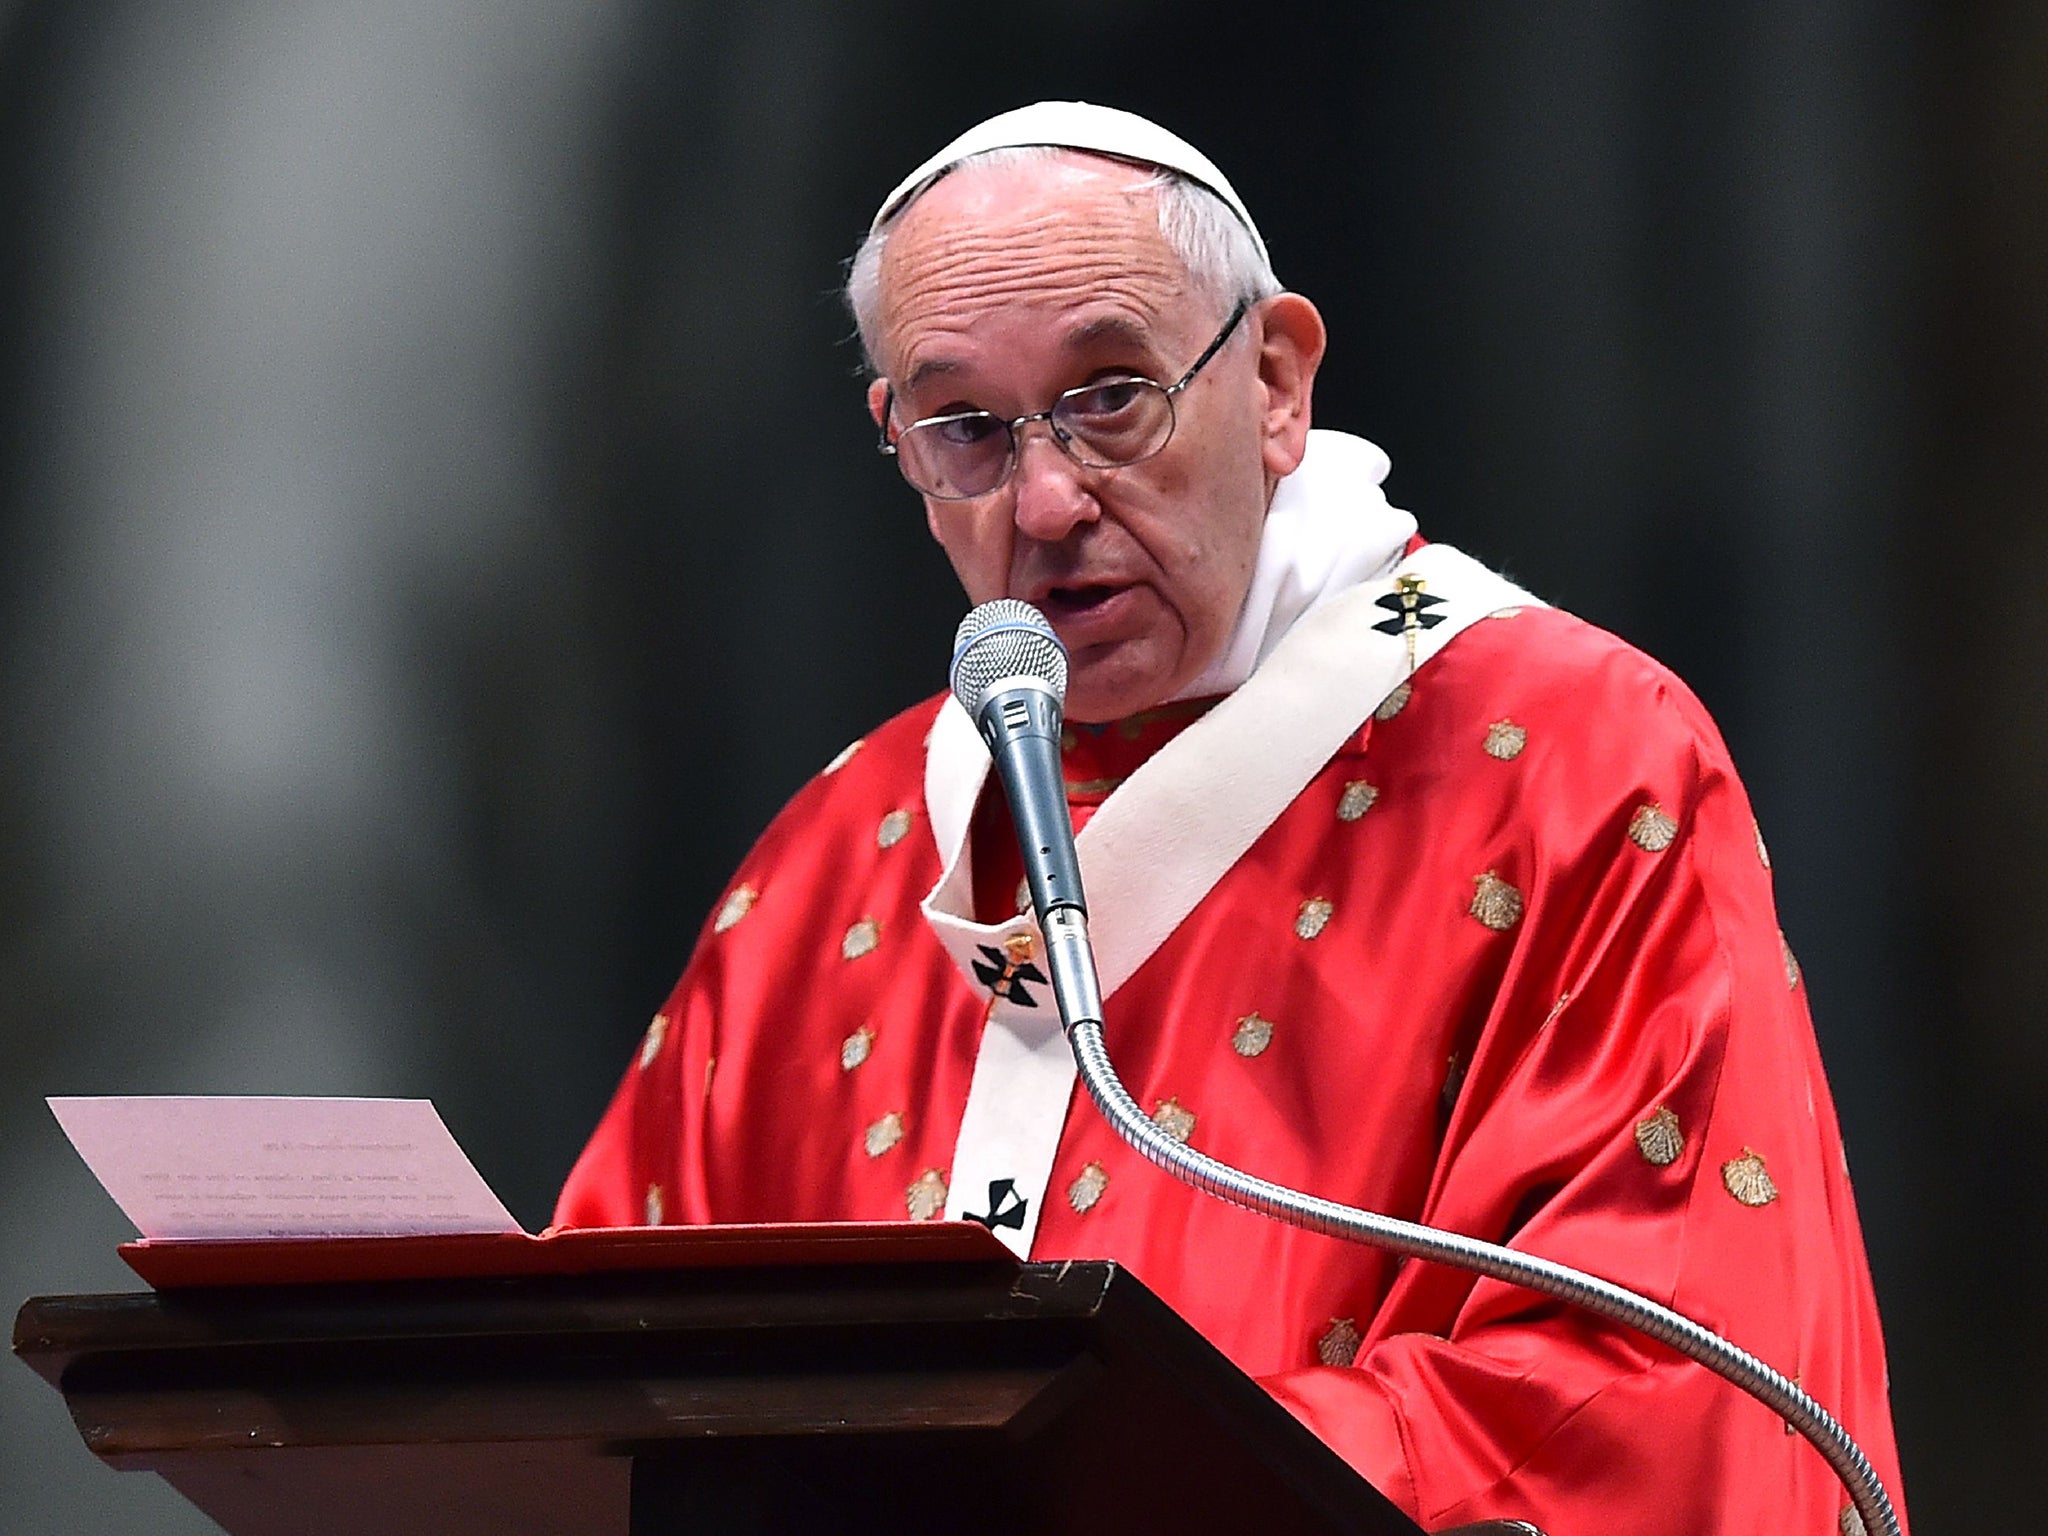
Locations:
column 718, row 1380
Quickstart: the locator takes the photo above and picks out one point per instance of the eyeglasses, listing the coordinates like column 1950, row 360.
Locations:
column 1101, row 426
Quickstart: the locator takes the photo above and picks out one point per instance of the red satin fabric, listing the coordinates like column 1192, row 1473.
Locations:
column 1489, row 1079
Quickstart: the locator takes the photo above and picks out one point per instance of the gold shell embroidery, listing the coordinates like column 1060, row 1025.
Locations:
column 856, row 1048
column 1313, row 917
column 1252, row 1036
column 1791, row 961
column 1087, row 1188
column 1849, row 1523
column 845, row 755
column 650, row 1043
column 926, row 1196
column 1659, row 1139
column 1505, row 740
column 883, row 1134
column 1339, row 1343
column 737, row 906
column 1763, row 857
column 895, row 826
column 861, row 939
column 1077, row 788
column 1651, row 830
column 651, row 1208
column 1175, row 1119
column 1394, row 702
column 1495, row 903
column 1748, row 1180
column 1357, row 799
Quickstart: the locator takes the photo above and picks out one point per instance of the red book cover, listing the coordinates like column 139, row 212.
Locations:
column 178, row 1264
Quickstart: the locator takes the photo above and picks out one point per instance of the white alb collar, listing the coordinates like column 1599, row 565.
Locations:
column 1329, row 528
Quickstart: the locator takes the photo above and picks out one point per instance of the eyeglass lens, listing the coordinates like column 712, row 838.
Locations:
column 1101, row 426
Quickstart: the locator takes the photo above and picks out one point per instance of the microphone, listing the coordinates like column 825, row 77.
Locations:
column 1009, row 673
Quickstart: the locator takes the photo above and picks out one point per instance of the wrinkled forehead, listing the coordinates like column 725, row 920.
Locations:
column 1052, row 235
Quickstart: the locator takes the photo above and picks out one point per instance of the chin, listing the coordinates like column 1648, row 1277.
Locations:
column 1114, row 682
column 1097, row 703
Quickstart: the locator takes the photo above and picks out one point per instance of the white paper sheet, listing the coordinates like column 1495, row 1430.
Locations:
column 202, row 1167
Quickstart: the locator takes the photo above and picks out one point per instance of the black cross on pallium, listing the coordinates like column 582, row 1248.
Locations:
column 1006, row 977
column 1410, row 607
column 1005, row 1206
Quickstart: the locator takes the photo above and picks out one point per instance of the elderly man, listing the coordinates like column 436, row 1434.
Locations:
column 1408, row 891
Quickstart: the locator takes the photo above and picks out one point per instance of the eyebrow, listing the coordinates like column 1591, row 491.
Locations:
column 928, row 369
column 1110, row 328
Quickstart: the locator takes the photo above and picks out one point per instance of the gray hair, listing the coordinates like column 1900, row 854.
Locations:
column 1221, row 258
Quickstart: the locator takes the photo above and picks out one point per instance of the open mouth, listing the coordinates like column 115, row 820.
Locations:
column 1076, row 602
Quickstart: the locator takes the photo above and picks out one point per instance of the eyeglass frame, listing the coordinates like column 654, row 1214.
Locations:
column 886, row 445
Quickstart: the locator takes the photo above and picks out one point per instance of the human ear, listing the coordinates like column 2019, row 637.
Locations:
column 1291, row 340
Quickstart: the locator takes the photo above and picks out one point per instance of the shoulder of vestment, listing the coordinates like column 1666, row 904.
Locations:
column 1546, row 663
column 877, row 773
column 856, row 830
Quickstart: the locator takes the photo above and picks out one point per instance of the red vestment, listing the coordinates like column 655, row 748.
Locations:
column 1508, row 965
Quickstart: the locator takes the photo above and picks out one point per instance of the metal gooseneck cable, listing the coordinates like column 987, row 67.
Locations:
column 1007, row 665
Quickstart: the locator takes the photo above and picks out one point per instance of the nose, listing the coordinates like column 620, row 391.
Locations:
column 1052, row 496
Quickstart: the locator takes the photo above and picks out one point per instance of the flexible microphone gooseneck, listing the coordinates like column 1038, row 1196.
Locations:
column 1010, row 674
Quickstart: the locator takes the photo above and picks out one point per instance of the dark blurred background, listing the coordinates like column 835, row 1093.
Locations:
column 438, row 527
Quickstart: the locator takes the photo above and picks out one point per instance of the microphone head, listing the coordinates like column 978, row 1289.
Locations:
column 1002, row 640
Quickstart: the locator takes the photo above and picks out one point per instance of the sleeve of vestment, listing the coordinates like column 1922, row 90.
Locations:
column 751, row 1097
column 1645, row 1102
